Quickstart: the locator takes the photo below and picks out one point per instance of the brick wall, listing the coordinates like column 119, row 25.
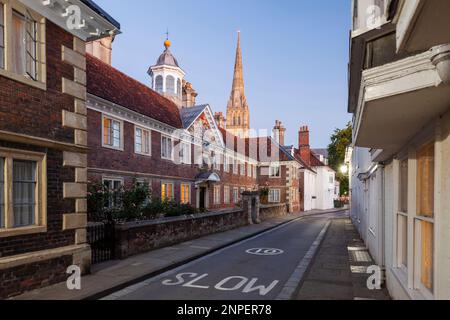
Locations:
column 136, row 238
column 38, row 115
column 16, row 280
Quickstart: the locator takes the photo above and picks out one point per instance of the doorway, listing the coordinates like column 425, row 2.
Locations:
column 202, row 201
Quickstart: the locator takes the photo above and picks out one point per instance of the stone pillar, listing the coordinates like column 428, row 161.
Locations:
column 251, row 205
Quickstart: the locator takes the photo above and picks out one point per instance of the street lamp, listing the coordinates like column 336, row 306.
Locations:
column 344, row 169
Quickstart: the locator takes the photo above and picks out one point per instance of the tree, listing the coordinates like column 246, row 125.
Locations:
column 340, row 141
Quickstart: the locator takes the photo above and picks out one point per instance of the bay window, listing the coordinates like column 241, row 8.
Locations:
column 22, row 192
column 142, row 141
column 112, row 133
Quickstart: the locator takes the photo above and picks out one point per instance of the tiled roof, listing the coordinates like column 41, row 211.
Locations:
column 189, row 115
column 321, row 152
column 110, row 84
column 315, row 162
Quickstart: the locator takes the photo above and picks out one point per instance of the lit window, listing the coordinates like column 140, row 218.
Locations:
column 274, row 195
column 424, row 222
column 167, row 193
column 24, row 189
column 112, row 133
column 114, row 187
column 185, row 193
column 166, row 148
column 142, row 142
column 216, row 195
column 226, row 195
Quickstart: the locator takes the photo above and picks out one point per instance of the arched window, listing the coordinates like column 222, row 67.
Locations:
column 179, row 87
column 170, row 84
column 159, row 84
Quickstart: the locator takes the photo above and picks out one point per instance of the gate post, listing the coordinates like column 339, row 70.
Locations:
column 250, row 205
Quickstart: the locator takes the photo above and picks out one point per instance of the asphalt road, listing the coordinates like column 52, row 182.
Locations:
column 236, row 272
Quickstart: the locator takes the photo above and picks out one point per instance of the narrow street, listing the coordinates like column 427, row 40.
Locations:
column 255, row 269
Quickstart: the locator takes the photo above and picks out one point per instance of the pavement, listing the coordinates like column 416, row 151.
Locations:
column 339, row 269
column 115, row 276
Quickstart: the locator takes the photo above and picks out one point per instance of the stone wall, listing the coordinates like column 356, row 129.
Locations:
column 272, row 211
column 140, row 237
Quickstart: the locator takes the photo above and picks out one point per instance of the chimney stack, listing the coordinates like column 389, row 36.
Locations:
column 220, row 119
column 279, row 132
column 303, row 145
column 189, row 95
column 101, row 49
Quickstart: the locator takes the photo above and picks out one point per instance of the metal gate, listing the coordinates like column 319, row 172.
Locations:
column 101, row 237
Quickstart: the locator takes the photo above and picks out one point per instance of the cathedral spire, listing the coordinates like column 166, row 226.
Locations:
column 238, row 115
column 238, row 78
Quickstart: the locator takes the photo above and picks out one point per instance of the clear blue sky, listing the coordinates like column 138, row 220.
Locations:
column 295, row 54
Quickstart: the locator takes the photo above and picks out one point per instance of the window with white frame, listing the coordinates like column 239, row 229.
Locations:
column 217, row 161
column 274, row 195
column 185, row 193
column 402, row 216
column 226, row 164
column 242, row 168
column 249, row 170
column 22, row 191
column 112, row 133
column 167, row 192
column 142, row 141
column 166, row 148
column 185, row 152
column 424, row 219
column 235, row 166
column 147, row 184
column 235, row 195
column 217, row 195
column 22, row 38
column 226, row 195
column 255, row 171
column 114, row 188
column 275, row 171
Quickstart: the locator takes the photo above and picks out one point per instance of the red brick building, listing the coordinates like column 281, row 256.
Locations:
column 43, row 140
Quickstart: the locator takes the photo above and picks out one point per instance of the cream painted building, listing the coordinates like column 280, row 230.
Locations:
column 400, row 166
